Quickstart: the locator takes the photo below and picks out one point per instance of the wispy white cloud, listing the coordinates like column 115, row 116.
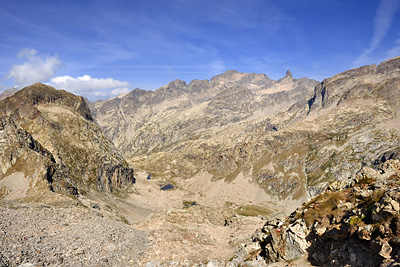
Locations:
column 36, row 68
column 217, row 67
column 395, row 51
column 383, row 21
column 119, row 91
column 87, row 85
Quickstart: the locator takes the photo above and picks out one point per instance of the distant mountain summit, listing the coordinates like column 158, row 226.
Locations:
column 8, row 92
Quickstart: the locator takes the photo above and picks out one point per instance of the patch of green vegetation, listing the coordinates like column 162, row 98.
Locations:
column 123, row 194
column 328, row 164
column 253, row 210
column 316, row 176
column 356, row 220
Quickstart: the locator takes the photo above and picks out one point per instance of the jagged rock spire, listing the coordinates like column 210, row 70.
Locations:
column 288, row 74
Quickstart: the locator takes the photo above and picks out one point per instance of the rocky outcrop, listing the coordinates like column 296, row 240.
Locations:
column 111, row 175
column 21, row 155
column 388, row 66
column 60, row 125
column 354, row 223
column 27, row 168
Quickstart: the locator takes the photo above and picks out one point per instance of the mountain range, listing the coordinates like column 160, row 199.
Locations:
column 202, row 158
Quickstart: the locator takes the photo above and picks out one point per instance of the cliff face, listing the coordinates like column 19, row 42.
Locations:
column 25, row 164
column 59, row 125
column 360, row 83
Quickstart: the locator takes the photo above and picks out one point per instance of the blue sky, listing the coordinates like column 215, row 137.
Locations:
column 101, row 48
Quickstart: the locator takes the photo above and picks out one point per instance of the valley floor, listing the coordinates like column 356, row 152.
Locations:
column 149, row 227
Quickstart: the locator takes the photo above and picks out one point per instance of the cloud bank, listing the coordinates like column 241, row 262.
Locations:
column 383, row 21
column 35, row 69
column 88, row 85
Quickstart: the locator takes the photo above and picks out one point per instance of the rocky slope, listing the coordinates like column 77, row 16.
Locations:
column 355, row 223
column 49, row 135
column 43, row 235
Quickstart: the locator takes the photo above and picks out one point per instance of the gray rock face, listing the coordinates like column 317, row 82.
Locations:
column 360, row 83
column 388, row 66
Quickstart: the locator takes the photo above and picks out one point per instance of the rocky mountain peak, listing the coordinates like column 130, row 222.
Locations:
column 198, row 86
column 177, row 84
column 136, row 93
column 172, row 89
column 40, row 93
column 8, row 92
column 198, row 82
column 288, row 75
column 389, row 65
column 230, row 72
column 62, row 124
column 226, row 75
